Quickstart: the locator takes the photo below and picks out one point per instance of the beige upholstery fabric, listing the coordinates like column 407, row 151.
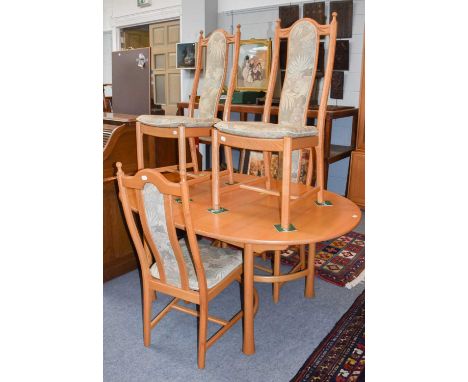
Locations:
column 176, row 120
column 302, row 55
column 213, row 75
column 217, row 262
column 265, row 130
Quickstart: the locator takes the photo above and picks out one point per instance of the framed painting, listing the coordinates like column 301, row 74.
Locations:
column 256, row 166
column 186, row 55
column 253, row 70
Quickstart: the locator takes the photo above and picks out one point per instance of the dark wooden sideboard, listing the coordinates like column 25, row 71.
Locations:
column 357, row 172
column 120, row 146
column 332, row 153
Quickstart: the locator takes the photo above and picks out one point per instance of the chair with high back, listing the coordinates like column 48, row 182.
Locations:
column 182, row 127
column 291, row 133
column 195, row 273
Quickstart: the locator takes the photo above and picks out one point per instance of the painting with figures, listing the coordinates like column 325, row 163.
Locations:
column 254, row 65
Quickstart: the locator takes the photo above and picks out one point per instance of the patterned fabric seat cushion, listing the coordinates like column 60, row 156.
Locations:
column 217, row 262
column 266, row 130
column 176, row 121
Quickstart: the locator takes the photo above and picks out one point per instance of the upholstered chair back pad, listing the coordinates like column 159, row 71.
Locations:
column 155, row 217
column 215, row 70
column 303, row 45
column 217, row 264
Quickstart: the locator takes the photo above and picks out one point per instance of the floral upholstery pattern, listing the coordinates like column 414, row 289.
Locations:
column 214, row 75
column 217, row 262
column 176, row 121
column 298, row 82
column 266, row 130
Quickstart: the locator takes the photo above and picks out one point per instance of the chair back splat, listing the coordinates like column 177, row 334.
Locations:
column 302, row 58
column 217, row 46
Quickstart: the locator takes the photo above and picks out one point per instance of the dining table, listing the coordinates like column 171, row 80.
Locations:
column 249, row 220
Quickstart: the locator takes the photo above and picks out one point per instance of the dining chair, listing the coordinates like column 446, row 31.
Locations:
column 291, row 132
column 182, row 127
column 184, row 269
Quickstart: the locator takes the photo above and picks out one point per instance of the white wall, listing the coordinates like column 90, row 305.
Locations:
column 129, row 7
column 192, row 20
column 196, row 15
column 229, row 5
column 107, row 58
column 107, row 14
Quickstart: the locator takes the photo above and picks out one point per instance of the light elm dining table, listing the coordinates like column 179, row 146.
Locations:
column 249, row 223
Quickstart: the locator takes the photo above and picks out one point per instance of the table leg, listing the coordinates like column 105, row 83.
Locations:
column 309, row 289
column 249, row 341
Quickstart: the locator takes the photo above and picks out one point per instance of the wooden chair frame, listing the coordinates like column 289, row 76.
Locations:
column 181, row 132
column 286, row 144
column 130, row 193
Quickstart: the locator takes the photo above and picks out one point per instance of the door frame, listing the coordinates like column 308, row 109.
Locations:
column 147, row 17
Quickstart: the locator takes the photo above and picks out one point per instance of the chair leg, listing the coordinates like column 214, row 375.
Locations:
column 302, row 256
column 267, row 165
column 182, row 155
column 276, row 272
column 203, row 323
column 286, row 183
column 139, row 144
column 241, row 161
column 309, row 289
column 310, row 168
column 193, row 153
column 228, row 155
column 215, row 169
column 320, row 174
column 147, row 305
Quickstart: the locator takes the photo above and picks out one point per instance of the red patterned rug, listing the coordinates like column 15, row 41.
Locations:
column 339, row 261
column 340, row 357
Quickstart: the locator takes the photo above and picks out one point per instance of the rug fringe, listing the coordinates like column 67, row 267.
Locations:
column 356, row 281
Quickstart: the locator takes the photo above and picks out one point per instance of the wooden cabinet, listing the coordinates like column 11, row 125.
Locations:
column 356, row 187
column 119, row 146
column 118, row 252
column 356, row 183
